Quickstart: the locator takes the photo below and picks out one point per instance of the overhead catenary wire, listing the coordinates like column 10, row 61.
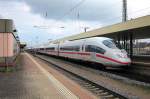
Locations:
column 74, row 7
column 130, row 13
column 78, row 13
column 106, row 19
column 68, row 12
column 78, row 5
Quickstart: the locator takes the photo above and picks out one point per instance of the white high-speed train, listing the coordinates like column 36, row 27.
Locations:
column 96, row 49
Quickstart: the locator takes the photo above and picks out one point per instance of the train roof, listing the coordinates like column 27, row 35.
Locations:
column 50, row 45
column 98, row 38
column 91, row 38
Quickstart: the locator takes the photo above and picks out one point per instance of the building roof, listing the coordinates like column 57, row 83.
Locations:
column 137, row 23
column 7, row 26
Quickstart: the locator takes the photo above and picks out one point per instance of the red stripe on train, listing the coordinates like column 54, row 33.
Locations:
column 97, row 55
column 81, row 53
column 101, row 56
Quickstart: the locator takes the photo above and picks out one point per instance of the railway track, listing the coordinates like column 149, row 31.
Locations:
column 95, row 88
column 134, row 72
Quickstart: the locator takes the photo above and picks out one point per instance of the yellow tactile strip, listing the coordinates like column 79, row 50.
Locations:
column 67, row 82
column 61, row 88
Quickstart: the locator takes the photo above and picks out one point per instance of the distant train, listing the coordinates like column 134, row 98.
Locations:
column 100, row 50
column 9, row 43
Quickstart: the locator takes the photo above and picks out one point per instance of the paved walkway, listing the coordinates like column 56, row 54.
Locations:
column 31, row 81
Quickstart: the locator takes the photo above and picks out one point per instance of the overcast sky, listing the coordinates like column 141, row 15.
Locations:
column 38, row 21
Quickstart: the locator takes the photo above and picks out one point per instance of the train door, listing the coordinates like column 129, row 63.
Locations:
column 83, row 54
column 93, row 55
column 58, row 49
column 88, row 53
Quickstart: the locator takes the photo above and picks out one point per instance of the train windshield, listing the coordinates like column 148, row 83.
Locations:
column 111, row 44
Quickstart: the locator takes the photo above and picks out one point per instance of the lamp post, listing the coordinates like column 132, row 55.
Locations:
column 85, row 29
column 124, row 11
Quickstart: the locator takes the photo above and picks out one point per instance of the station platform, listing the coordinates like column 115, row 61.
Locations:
column 31, row 80
column 141, row 63
column 142, row 60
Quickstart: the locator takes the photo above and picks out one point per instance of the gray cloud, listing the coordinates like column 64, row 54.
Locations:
column 90, row 10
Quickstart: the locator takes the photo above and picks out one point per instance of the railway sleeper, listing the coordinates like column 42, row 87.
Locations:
column 109, row 96
column 87, row 85
column 103, row 94
column 95, row 89
column 99, row 91
column 92, row 86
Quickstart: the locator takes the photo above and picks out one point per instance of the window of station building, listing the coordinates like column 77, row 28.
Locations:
column 50, row 48
column 70, row 48
column 93, row 48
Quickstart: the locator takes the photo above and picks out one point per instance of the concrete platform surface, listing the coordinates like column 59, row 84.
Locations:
column 31, row 81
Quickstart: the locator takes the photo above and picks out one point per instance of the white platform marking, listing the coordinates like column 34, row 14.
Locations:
column 58, row 85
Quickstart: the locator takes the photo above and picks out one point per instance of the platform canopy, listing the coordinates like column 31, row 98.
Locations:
column 139, row 26
column 23, row 45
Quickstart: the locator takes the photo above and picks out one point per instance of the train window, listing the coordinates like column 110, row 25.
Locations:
column 76, row 48
column 70, row 48
column 82, row 47
column 88, row 48
column 41, row 48
column 50, row 48
column 99, row 50
column 93, row 48
column 110, row 44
